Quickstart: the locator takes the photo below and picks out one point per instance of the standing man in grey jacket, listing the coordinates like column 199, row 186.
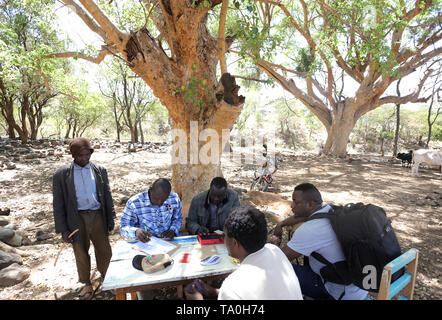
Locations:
column 82, row 200
column 209, row 210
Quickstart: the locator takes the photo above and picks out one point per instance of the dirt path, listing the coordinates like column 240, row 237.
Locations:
column 413, row 204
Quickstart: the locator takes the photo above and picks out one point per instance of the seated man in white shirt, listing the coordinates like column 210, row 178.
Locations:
column 314, row 236
column 265, row 273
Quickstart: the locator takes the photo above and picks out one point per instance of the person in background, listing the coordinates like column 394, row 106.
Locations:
column 82, row 200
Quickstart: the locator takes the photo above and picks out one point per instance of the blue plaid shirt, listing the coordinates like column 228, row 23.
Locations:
column 140, row 213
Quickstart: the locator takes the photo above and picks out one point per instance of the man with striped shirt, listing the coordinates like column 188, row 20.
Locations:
column 155, row 212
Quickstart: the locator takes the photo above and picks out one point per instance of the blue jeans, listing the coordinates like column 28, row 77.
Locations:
column 311, row 283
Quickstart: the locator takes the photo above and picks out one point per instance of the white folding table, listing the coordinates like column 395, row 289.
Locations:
column 124, row 278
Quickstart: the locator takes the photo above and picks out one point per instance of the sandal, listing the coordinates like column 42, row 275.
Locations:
column 86, row 293
column 96, row 285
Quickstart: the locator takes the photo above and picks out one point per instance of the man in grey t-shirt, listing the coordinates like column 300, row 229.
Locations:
column 314, row 236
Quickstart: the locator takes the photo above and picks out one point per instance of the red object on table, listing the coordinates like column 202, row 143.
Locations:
column 185, row 258
column 211, row 238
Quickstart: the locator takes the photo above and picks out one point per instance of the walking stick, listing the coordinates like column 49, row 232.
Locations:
column 63, row 245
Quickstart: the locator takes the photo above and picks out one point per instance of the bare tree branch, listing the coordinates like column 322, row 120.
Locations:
column 86, row 19
column 171, row 30
column 115, row 36
column 410, row 98
column 222, row 37
column 71, row 54
column 249, row 79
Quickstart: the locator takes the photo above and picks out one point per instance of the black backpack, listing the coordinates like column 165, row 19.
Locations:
column 366, row 238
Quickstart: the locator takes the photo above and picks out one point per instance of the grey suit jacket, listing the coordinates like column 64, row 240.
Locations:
column 199, row 210
column 65, row 201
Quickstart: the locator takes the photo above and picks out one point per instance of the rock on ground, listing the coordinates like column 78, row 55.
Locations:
column 13, row 274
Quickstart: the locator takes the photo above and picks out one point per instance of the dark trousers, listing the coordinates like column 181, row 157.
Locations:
column 92, row 229
column 311, row 283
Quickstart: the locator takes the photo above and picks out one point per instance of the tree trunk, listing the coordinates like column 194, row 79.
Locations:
column 74, row 130
column 118, row 133
column 381, row 138
column 8, row 114
column 68, row 130
column 141, row 131
column 398, row 120
column 430, row 123
column 23, row 131
column 196, row 154
column 11, row 132
column 117, row 120
column 7, row 109
column 337, row 139
column 343, row 122
column 396, row 133
column 135, row 128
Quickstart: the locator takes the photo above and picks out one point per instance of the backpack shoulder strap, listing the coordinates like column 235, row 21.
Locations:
column 334, row 209
column 318, row 216
column 322, row 215
column 320, row 258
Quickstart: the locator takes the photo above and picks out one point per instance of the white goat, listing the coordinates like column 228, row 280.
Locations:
column 429, row 157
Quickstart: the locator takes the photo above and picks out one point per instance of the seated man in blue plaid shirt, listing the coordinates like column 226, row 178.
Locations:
column 155, row 212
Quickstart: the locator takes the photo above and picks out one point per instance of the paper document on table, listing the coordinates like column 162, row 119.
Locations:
column 122, row 251
column 155, row 246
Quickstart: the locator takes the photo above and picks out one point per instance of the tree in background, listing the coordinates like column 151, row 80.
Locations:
column 298, row 127
column 327, row 44
column 398, row 120
column 79, row 110
column 27, row 35
column 436, row 93
column 380, row 124
column 130, row 98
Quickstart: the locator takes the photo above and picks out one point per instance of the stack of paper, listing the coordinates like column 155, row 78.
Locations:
column 155, row 246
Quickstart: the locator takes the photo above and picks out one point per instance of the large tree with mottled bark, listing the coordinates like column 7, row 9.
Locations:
column 172, row 50
column 326, row 44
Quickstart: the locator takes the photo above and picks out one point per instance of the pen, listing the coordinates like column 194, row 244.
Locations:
column 149, row 257
column 145, row 228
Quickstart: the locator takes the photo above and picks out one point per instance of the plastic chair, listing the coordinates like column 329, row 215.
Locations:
column 403, row 285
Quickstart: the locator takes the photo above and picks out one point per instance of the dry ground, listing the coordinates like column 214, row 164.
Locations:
column 369, row 179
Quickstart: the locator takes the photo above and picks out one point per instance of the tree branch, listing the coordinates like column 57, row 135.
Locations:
column 418, row 61
column 276, row 66
column 304, row 33
column 116, row 36
column 314, row 105
column 338, row 16
column 71, row 54
column 87, row 19
column 249, row 79
column 406, row 53
column 171, row 34
column 221, row 37
column 352, row 72
column 410, row 98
